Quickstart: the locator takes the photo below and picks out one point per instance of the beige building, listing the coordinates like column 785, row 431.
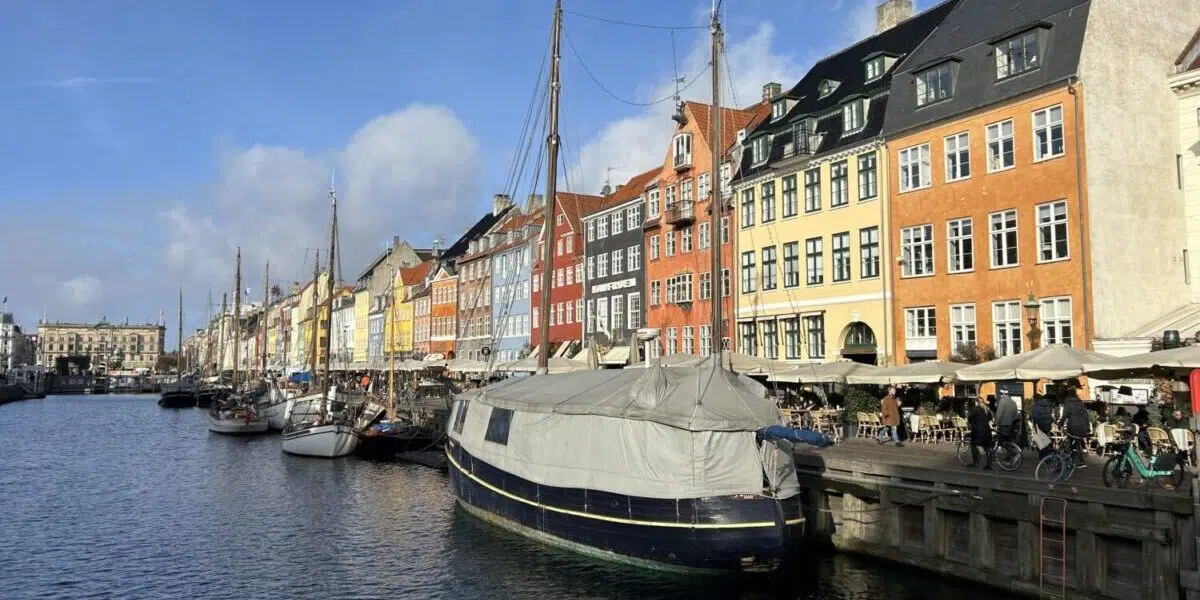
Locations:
column 114, row 346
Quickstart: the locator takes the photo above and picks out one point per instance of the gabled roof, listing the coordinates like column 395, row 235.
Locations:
column 732, row 120
column 632, row 189
column 460, row 246
column 417, row 274
column 574, row 206
column 1189, row 58
column 848, row 68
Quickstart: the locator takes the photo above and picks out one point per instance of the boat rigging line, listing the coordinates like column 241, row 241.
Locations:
column 632, row 24
column 591, row 75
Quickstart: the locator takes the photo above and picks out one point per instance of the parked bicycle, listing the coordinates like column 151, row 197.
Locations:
column 1007, row 455
column 1062, row 463
column 1164, row 468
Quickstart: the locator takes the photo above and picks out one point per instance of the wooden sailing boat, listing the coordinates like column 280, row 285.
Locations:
column 655, row 467
column 317, row 424
column 274, row 402
column 236, row 414
column 180, row 394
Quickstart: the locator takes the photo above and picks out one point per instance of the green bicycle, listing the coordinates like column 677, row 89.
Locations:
column 1164, row 470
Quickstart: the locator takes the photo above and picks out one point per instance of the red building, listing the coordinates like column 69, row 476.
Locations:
column 566, row 292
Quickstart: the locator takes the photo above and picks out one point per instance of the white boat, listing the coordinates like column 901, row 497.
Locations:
column 236, row 420
column 274, row 404
column 314, row 428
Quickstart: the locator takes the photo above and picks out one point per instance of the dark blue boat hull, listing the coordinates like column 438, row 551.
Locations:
column 722, row 533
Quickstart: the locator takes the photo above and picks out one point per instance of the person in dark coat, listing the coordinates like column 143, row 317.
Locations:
column 979, row 422
column 1178, row 421
column 1079, row 425
column 1042, row 415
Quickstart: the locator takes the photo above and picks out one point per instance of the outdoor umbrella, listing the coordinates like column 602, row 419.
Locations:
column 1178, row 362
column 831, row 372
column 932, row 371
column 1051, row 362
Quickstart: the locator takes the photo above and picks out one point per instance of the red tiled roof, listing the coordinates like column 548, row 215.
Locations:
column 632, row 189
column 732, row 120
column 415, row 275
column 575, row 206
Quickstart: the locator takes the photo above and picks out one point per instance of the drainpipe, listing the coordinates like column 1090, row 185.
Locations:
column 1085, row 275
column 885, row 220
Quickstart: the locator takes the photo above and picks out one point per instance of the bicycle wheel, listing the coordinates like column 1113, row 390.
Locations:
column 964, row 453
column 1117, row 472
column 1008, row 456
column 1049, row 469
column 1172, row 481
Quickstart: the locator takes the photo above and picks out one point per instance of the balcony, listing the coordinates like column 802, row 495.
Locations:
column 682, row 161
column 681, row 213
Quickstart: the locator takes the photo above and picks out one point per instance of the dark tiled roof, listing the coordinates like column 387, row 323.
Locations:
column 967, row 36
column 847, row 69
column 460, row 247
column 1189, row 58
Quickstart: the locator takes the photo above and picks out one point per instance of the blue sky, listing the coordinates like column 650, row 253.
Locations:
column 162, row 134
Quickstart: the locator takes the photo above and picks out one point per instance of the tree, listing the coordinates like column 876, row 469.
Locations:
column 276, row 293
column 973, row 354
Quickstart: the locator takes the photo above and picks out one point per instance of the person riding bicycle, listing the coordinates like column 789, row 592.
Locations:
column 1079, row 426
column 1008, row 419
column 978, row 419
column 1042, row 416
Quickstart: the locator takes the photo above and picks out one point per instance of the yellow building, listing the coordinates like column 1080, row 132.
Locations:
column 811, row 202
column 362, row 308
column 302, row 321
column 401, row 316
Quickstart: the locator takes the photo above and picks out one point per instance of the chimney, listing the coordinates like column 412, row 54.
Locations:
column 619, row 186
column 534, row 203
column 395, row 241
column 499, row 203
column 890, row 13
column 771, row 91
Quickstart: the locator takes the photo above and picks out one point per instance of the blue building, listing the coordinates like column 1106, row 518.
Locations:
column 511, row 314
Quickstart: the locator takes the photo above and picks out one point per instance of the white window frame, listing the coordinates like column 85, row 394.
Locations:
column 960, row 245
column 1055, row 315
column 759, row 150
column 1050, row 227
column 633, row 258
column 1051, row 129
column 654, row 248
column 854, row 116
column 653, row 208
column 917, row 249
column 616, row 221
column 1001, row 145
column 618, row 261
column 633, row 310
column 963, row 326
column 920, row 323
column 682, row 145
column 1000, row 234
column 1007, row 332
column 914, row 168
column 957, row 155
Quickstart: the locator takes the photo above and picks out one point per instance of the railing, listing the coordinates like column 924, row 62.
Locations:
column 681, row 212
column 683, row 161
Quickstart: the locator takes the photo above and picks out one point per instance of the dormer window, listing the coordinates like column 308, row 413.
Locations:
column 741, row 136
column 935, row 84
column 682, row 147
column 804, row 136
column 826, row 88
column 1017, row 54
column 778, row 109
column 758, row 149
column 875, row 68
column 853, row 115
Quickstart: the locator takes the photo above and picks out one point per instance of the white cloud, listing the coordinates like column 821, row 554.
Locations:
column 634, row 144
column 860, row 22
column 82, row 291
column 410, row 173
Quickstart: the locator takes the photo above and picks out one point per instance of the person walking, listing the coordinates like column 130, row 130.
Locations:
column 890, row 408
column 979, row 422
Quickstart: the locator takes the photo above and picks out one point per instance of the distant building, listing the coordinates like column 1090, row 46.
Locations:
column 103, row 343
column 16, row 348
column 566, row 266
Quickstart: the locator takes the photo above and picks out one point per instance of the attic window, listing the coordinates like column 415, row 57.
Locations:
column 1017, row 54
column 778, row 109
column 758, row 149
column 935, row 83
column 826, row 88
column 875, row 68
column 853, row 115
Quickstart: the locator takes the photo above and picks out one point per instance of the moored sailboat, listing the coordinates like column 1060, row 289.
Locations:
column 181, row 394
column 236, row 414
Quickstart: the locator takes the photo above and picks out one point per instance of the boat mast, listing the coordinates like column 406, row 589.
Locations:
column 208, row 337
column 552, row 142
column 717, row 204
column 392, row 357
column 237, row 315
column 266, row 313
column 312, row 328
column 179, row 344
column 221, row 339
column 328, row 381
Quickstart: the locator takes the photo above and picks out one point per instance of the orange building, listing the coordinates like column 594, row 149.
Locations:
column 678, row 268
column 443, row 311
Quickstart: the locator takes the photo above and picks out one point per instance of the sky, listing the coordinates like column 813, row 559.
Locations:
column 146, row 140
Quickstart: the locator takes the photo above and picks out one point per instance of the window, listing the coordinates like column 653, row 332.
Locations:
column 958, row 157
column 920, row 323
column 689, row 339
column 635, row 310
column 748, row 279
column 768, row 268
column 724, row 230
column 679, row 288
column 789, row 196
column 633, row 256
column 705, row 237
column 1052, row 231
column 868, row 179
column 1056, row 321
column 601, row 228
column 685, row 196
column 804, row 136
column 770, row 338
column 591, row 267
column 654, row 247
column 460, row 417
column 602, row 265
column 618, row 311
column 839, row 188
column 868, row 252
column 812, row 190
column 672, row 338
column 703, row 186
column 498, row 425
column 725, row 283
column 814, row 261
column 652, row 201
column 841, row 256
column 791, row 264
column 749, row 339
column 1000, row 146
column 791, row 338
column 685, row 239
column 618, row 262
column 748, row 207
column 578, row 311
column 778, row 109
column 706, row 285
column 633, row 217
column 1048, row 133
column 815, row 327
column 705, row 340
column 570, row 312
column 683, row 149
column 591, row 231
column 875, row 68
column 758, row 150
column 655, row 293
column 852, row 116
column 825, row 88
column 578, row 273
column 1006, row 318
column 767, row 201
column 1004, row 238
column 914, row 168
column 617, row 222
column 962, row 326
column 570, row 271
column 591, row 315
column 934, row 84
column 1016, row 55
column 670, row 237
column 961, row 242
column 602, row 315
column 570, row 243
column 916, row 250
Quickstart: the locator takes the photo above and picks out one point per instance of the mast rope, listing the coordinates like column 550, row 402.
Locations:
column 591, row 75
column 632, row 24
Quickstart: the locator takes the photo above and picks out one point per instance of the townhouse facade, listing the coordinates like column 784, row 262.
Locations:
column 511, row 262
column 343, row 327
column 679, row 274
column 422, row 300
column 566, row 288
column 475, row 285
column 443, row 288
column 1010, row 226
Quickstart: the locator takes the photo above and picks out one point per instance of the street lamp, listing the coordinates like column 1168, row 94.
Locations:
column 1032, row 310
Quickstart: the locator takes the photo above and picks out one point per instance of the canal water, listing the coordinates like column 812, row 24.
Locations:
column 114, row 497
